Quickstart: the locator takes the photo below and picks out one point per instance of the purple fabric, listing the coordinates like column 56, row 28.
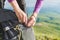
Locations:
column 38, row 6
column 10, row 0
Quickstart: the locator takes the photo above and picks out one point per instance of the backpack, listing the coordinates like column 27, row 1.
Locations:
column 9, row 17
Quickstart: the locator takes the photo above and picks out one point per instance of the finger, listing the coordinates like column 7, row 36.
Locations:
column 20, row 18
column 25, row 20
column 31, row 22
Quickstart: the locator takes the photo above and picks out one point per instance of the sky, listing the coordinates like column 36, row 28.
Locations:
column 47, row 3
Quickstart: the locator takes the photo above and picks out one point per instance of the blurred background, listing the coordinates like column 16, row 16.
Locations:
column 47, row 26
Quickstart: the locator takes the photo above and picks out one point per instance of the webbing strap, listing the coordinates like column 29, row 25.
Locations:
column 2, row 3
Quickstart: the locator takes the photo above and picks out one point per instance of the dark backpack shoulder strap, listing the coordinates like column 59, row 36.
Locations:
column 21, row 4
column 2, row 3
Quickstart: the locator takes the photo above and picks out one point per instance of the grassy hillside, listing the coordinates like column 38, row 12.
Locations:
column 48, row 28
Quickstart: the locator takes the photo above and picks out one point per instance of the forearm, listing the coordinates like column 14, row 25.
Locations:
column 15, row 6
column 38, row 6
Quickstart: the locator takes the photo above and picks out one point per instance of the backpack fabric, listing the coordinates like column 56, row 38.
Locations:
column 10, row 17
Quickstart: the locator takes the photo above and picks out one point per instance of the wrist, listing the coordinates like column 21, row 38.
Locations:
column 35, row 14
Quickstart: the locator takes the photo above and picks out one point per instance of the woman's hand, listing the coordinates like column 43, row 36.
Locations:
column 22, row 17
column 32, row 20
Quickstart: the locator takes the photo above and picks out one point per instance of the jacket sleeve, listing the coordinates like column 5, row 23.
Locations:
column 10, row 0
column 38, row 6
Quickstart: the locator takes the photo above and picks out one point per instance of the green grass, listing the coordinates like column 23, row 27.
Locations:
column 50, row 28
column 47, row 30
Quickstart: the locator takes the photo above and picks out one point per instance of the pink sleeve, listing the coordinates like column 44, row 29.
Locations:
column 10, row 0
column 38, row 6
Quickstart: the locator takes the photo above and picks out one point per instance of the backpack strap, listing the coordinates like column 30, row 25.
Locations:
column 2, row 3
